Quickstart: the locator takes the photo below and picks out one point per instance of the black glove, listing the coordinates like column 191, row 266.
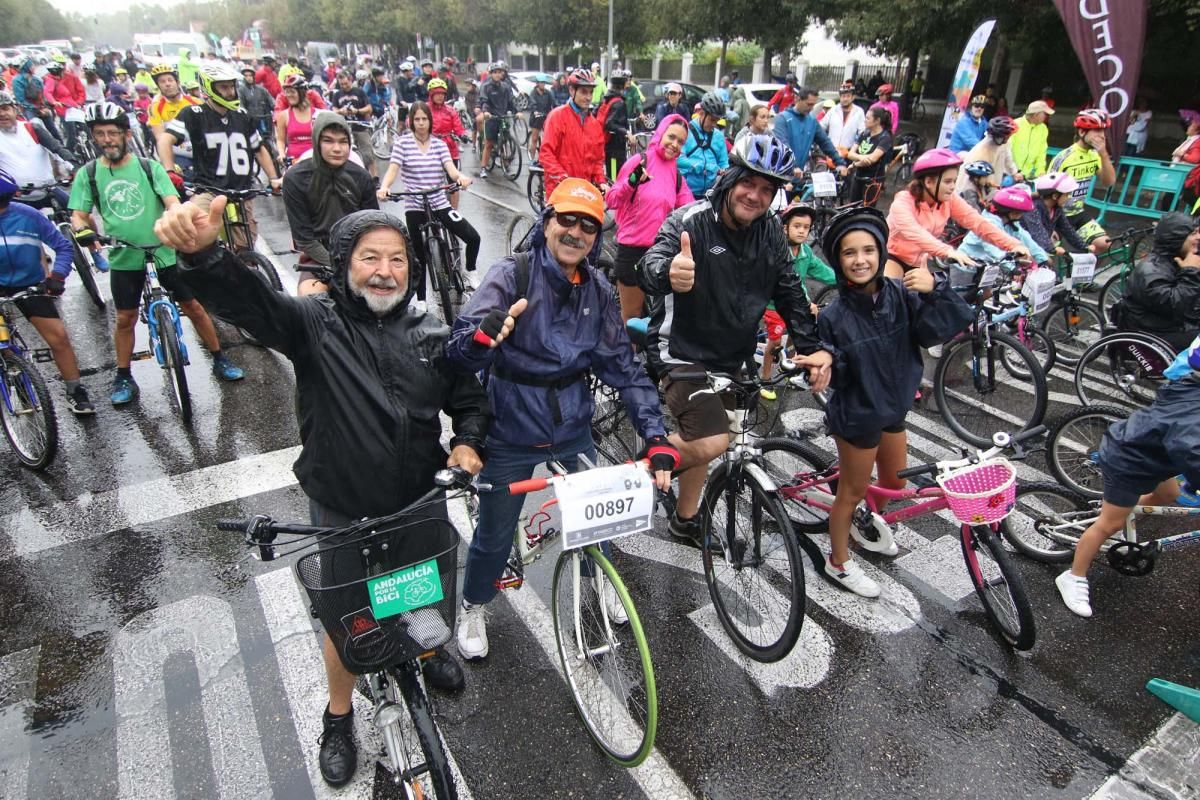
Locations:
column 638, row 175
column 53, row 285
column 662, row 454
column 490, row 327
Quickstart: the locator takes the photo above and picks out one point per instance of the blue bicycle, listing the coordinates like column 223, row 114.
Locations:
column 162, row 318
column 27, row 413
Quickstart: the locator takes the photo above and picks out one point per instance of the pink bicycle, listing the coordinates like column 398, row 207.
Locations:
column 979, row 490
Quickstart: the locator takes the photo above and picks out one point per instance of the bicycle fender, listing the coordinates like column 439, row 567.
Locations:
column 760, row 476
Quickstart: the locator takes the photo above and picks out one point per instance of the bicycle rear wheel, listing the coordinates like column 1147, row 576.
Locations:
column 976, row 398
column 173, row 363
column 757, row 582
column 517, row 234
column 28, row 416
column 998, row 585
column 83, row 266
column 1123, row 367
column 789, row 463
column 439, row 775
column 608, row 669
column 1073, row 326
column 1039, row 506
column 1073, row 447
column 1037, row 343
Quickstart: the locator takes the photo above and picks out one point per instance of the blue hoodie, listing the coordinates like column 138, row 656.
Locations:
column 967, row 133
column 799, row 131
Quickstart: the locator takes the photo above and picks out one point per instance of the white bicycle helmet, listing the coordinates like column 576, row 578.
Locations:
column 107, row 113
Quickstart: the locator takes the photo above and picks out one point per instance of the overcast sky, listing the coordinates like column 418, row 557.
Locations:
column 86, row 6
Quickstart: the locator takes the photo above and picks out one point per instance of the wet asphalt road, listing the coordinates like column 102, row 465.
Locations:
column 141, row 653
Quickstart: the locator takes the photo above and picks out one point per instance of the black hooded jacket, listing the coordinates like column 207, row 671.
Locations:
column 737, row 273
column 1162, row 297
column 368, row 388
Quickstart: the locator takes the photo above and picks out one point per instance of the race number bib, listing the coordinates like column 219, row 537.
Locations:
column 602, row 504
column 1039, row 288
column 1083, row 267
column 824, row 184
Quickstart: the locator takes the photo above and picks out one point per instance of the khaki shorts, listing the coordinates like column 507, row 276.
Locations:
column 698, row 412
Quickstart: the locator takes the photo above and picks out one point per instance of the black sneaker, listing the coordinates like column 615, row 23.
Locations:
column 688, row 531
column 79, row 402
column 339, row 753
column 442, row 671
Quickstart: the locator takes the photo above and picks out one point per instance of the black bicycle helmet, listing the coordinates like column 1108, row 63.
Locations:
column 860, row 218
column 712, row 105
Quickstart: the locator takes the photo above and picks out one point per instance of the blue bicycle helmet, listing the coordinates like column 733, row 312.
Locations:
column 766, row 155
column 8, row 187
column 980, row 169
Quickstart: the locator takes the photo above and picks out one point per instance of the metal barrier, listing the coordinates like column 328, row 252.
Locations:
column 1145, row 187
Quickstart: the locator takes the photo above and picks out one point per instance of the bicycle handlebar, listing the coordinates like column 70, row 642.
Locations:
column 537, row 484
column 32, row 291
column 449, row 187
column 1003, row 441
column 233, row 194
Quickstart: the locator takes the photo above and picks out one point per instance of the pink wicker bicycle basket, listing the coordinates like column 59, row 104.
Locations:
column 981, row 494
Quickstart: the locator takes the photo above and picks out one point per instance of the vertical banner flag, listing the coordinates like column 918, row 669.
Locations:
column 1108, row 36
column 964, row 80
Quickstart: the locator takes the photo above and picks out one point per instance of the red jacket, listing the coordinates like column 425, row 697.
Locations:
column 314, row 99
column 68, row 91
column 782, row 99
column 266, row 78
column 572, row 148
column 446, row 125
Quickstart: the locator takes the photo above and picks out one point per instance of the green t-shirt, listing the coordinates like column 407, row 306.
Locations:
column 129, row 206
column 807, row 265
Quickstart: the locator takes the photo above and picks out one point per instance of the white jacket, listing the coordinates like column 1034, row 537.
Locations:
column 844, row 132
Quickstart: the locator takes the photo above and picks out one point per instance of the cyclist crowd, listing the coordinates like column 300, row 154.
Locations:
column 705, row 250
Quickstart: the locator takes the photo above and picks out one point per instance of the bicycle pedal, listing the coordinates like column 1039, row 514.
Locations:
column 140, row 355
column 42, row 355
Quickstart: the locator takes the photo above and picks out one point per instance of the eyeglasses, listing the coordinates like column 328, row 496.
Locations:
column 569, row 221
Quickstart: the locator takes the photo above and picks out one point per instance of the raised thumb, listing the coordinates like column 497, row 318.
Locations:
column 217, row 210
column 516, row 308
column 685, row 245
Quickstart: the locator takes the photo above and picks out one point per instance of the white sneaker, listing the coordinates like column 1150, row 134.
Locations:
column 1074, row 591
column 483, row 173
column 852, row 578
column 612, row 603
column 472, row 632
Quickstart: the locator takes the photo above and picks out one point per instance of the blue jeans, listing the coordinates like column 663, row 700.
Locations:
column 500, row 511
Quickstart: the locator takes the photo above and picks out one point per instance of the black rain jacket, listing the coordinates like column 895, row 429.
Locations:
column 368, row 389
column 1162, row 297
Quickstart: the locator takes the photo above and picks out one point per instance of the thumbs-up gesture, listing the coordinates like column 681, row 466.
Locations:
column 188, row 228
column 497, row 325
column 683, row 268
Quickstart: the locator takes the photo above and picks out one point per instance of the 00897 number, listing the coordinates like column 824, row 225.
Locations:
column 607, row 508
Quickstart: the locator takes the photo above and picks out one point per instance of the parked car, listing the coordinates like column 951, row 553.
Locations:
column 652, row 90
column 760, row 92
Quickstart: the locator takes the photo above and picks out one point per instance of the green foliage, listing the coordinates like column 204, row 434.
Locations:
column 30, row 21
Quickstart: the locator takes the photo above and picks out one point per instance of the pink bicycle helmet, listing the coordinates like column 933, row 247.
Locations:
column 1013, row 198
column 1056, row 182
column 936, row 160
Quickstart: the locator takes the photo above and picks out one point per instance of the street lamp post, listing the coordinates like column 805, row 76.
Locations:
column 611, row 52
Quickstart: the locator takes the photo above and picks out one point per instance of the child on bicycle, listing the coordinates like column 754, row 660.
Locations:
column 797, row 221
column 878, row 326
column 1139, row 459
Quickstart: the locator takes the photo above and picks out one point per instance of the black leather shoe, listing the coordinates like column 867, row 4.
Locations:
column 339, row 753
column 442, row 671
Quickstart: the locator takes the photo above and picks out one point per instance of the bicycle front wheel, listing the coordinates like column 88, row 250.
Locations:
column 510, row 156
column 517, row 233
column 1130, row 363
column 1111, row 294
column 756, row 582
column 441, row 280
column 790, row 464
column 174, row 363
column 27, row 413
column 977, row 397
column 998, row 585
column 1073, row 326
column 1046, row 521
column 261, row 266
column 608, row 669
column 1073, row 447
column 83, row 266
column 439, row 777
column 535, row 190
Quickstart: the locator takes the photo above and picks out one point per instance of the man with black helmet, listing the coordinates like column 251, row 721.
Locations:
column 704, row 155
column 370, row 377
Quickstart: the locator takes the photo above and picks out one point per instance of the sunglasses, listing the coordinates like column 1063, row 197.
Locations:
column 569, row 221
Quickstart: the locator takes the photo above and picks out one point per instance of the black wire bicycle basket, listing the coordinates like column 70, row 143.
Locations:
column 387, row 595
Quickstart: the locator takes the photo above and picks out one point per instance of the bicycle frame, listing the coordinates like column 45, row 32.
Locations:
column 10, row 339
column 154, row 296
column 934, row 499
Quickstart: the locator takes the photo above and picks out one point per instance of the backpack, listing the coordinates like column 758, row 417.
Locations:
column 602, row 115
column 91, row 175
column 32, row 132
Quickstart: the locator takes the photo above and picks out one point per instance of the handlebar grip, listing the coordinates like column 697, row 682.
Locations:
column 912, row 472
column 527, row 486
column 238, row 525
column 1029, row 434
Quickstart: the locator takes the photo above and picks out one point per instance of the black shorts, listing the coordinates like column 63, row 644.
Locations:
column 127, row 286
column 491, row 129
column 624, row 267
column 537, row 121
column 869, row 441
column 698, row 412
column 40, row 306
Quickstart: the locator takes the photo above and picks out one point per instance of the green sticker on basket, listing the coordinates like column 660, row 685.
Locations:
column 405, row 589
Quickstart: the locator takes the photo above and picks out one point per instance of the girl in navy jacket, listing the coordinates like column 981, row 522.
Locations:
column 877, row 326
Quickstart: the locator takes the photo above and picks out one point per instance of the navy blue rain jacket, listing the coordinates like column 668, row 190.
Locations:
column 566, row 331
column 877, row 342
column 1158, row 442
